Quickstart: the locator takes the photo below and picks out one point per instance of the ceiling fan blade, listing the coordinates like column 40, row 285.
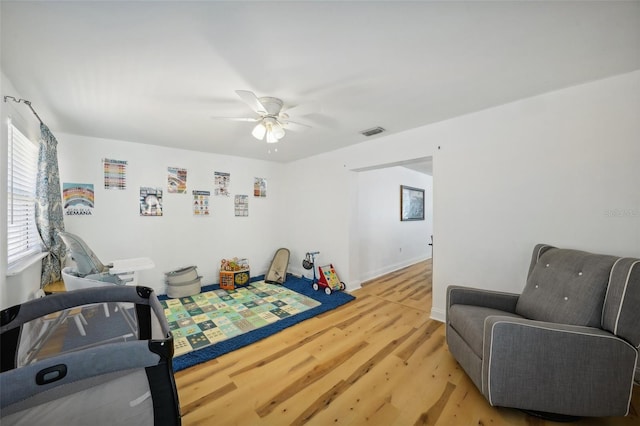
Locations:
column 304, row 109
column 296, row 127
column 252, row 100
column 251, row 120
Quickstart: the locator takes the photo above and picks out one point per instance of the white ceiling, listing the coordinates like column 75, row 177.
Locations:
column 156, row 72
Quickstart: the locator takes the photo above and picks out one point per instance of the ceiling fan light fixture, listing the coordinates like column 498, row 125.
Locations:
column 271, row 120
column 271, row 137
column 259, row 131
column 274, row 129
column 277, row 130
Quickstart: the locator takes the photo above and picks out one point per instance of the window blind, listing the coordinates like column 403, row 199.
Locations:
column 22, row 235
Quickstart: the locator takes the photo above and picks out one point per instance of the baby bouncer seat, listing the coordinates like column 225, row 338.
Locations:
column 277, row 273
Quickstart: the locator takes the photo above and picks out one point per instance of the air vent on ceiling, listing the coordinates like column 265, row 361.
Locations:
column 373, row 131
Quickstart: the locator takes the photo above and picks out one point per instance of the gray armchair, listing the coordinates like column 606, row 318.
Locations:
column 567, row 345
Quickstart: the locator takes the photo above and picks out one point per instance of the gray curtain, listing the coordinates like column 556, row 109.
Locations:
column 49, row 213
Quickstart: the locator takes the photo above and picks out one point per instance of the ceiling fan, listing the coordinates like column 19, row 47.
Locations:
column 272, row 121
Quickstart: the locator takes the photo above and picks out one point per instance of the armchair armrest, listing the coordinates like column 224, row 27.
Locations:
column 557, row 368
column 479, row 297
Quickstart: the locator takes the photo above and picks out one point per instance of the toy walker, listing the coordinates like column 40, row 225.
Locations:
column 328, row 277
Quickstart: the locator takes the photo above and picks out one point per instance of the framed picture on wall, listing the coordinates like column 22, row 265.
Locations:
column 411, row 203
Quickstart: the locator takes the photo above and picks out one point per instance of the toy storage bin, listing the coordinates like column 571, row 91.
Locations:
column 50, row 376
column 183, row 282
column 184, row 289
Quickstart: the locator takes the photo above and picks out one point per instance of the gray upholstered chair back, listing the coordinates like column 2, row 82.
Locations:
column 575, row 287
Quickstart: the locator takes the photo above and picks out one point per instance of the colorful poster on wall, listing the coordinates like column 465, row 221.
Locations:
column 150, row 201
column 259, row 187
column 242, row 205
column 78, row 199
column 221, row 183
column 177, row 180
column 115, row 174
column 201, row 203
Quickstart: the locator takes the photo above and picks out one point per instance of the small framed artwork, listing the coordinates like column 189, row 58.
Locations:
column 411, row 203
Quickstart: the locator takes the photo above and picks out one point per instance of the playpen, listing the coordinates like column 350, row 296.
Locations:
column 92, row 356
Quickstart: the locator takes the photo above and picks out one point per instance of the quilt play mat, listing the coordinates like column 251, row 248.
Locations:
column 216, row 315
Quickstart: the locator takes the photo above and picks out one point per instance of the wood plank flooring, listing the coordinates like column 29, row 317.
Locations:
column 378, row 360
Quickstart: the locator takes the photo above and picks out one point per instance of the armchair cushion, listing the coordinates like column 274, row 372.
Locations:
column 469, row 321
column 566, row 286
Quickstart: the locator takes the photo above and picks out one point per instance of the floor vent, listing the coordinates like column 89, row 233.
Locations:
column 373, row 131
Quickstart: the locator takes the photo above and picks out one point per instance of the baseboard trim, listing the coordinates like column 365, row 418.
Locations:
column 372, row 275
column 438, row 315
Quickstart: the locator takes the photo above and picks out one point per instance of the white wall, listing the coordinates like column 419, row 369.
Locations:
column 323, row 200
column 386, row 243
column 554, row 169
column 178, row 238
column 319, row 195
column 560, row 168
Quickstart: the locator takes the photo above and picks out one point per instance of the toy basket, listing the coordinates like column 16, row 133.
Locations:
column 183, row 282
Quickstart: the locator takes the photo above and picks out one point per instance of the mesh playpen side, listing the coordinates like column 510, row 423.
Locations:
column 113, row 365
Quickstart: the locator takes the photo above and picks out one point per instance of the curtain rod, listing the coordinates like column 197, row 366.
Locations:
column 27, row 103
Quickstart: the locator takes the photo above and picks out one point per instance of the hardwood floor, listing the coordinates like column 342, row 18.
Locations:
column 378, row 360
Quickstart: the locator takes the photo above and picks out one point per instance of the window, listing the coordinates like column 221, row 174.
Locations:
column 22, row 163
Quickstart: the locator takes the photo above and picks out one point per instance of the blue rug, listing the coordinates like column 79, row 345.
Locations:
column 301, row 286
